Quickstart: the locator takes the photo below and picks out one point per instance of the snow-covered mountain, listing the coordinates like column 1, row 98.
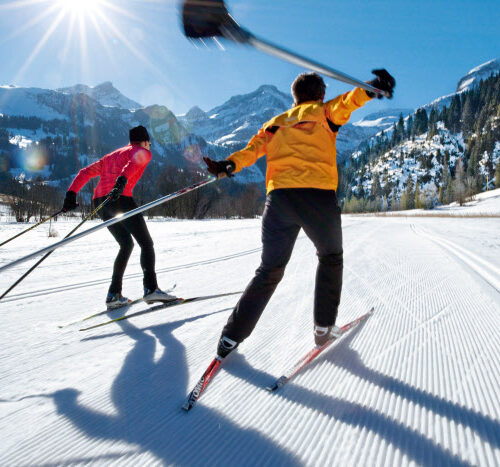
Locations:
column 481, row 72
column 30, row 102
column 467, row 82
column 233, row 123
column 429, row 158
column 106, row 114
column 106, row 94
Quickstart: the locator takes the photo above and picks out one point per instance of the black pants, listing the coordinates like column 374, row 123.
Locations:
column 286, row 212
column 123, row 232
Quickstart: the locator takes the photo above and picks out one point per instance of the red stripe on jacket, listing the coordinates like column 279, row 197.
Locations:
column 130, row 161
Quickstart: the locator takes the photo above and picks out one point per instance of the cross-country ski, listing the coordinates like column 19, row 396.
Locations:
column 162, row 306
column 313, row 353
column 249, row 232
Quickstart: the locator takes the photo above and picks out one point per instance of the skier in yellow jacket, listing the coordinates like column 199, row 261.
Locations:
column 301, row 182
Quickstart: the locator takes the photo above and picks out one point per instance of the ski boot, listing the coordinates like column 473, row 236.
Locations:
column 226, row 346
column 116, row 300
column 322, row 334
column 152, row 296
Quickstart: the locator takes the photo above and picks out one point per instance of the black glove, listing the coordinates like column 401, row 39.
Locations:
column 70, row 202
column 117, row 190
column 220, row 167
column 383, row 81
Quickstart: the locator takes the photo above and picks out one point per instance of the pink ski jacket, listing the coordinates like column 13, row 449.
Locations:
column 129, row 161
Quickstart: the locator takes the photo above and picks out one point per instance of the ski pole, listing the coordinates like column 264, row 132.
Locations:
column 32, row 227
column 50, row 252
column 210, row 18
column 109, row 222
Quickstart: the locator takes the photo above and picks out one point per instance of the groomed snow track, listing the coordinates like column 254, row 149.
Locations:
column 417, row 384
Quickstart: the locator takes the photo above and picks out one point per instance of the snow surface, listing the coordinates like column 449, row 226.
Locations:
column 417, row 384
column 482, row 204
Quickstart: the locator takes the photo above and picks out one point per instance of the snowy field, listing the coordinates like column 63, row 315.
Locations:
column 416, row 384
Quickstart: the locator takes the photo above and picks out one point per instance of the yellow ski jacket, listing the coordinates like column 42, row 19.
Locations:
column 300, row 143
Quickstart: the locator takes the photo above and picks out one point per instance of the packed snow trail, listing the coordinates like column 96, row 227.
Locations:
column 415, row 384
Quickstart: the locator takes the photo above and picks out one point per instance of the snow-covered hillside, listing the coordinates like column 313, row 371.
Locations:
column 417, row 384
column 421, row 159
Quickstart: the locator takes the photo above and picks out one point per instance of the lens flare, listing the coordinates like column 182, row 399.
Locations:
column 33, row 160
column 192, row 154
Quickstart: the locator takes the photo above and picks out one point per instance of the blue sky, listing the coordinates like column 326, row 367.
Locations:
column 139, row 46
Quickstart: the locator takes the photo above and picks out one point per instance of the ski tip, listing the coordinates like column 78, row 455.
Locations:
column 272, row 388
column 186, row 407
column 372, row 310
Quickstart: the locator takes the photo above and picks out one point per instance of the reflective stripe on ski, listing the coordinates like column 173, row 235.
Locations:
column 179, row 301
column 312, row 354
column 202, row 383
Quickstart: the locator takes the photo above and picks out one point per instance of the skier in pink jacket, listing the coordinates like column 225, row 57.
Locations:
column 119, row 172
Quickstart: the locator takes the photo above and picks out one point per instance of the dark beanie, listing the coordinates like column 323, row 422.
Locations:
column 138, row 134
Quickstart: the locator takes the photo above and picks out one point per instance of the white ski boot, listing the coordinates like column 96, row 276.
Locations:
column 152, row 296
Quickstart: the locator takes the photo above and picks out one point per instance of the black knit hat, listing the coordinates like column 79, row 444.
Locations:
column 138, row 134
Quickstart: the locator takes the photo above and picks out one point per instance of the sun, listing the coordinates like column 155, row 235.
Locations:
column 81, row 19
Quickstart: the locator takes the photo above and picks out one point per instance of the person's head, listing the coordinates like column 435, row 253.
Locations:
column 139, row 135
column 308, row 87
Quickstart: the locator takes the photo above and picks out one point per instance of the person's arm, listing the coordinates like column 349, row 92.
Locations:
column 248, row 156
column 84, row 175
column 339, row 110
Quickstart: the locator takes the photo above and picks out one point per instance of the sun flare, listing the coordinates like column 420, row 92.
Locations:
column 80, row 7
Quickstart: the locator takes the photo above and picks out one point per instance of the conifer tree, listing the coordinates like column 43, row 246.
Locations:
column 409, row 194
column 460, row 189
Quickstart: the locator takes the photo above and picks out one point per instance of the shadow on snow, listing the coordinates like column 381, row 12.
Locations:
column 147, row 396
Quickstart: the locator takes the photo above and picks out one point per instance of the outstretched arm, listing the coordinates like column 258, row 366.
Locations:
column 85, row 174
column 339, row 110
column 248, row 156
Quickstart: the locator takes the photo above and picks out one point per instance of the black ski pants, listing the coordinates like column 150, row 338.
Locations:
column 123, row 232
column 286, row 212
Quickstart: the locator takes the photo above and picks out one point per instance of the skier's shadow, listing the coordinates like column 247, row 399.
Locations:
column 147, row 395
column 412, row 443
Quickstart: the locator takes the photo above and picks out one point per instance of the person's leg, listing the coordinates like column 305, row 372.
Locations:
column 124, row 240
column 279, row 232
column 320, row 219
column 136, row 226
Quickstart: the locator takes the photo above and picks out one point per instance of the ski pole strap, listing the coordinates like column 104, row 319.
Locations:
column 109, row 222
column 43, row 258
column 32, row 227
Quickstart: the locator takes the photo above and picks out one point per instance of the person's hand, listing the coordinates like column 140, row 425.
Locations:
column 117, row 190
column 69, row 202
column 383, row 81
column 220, row 169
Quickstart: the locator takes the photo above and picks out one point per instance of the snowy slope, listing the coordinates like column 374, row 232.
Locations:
column 417, row 384
column 29, row 102
column 482, row 204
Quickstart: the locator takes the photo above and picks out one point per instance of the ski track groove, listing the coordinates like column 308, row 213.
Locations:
column 418, row 374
